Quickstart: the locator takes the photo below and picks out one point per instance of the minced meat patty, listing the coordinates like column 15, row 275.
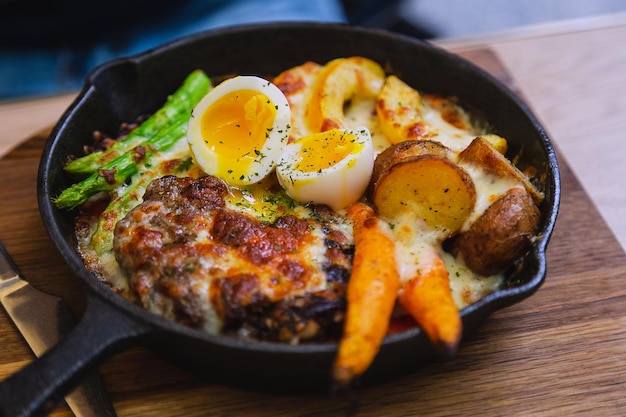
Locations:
column 191, row 259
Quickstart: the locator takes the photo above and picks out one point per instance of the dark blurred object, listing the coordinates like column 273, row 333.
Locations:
column 48, row 47
column 383, row 14
column 43, row 23
column 439, row 19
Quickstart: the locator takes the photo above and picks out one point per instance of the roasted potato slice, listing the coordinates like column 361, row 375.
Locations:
column 399, row 111
column 339, row 82
column 401, row 150
column 483, row 154
column 435, row 189
column 500, row 235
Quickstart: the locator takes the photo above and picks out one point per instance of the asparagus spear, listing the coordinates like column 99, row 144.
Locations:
column 179, row 104
column 115, row 172
column 102, row 238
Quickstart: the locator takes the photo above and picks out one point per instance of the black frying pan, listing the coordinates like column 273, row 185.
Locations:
column 123, row 89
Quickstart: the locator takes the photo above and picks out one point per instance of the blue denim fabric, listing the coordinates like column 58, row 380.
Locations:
column 37, row 70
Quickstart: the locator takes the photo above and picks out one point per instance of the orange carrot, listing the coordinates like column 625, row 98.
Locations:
column 371, row 295
column 428, row 299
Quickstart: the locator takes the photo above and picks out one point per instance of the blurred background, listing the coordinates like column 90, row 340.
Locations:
column 47, row 48
column 440, row 19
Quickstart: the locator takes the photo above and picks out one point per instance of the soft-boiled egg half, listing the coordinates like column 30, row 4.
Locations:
column 332, row 167
column 239, row 130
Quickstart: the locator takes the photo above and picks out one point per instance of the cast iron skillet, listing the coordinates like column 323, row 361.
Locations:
column 123, row 89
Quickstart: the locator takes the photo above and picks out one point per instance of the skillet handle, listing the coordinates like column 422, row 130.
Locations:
column 40, row 386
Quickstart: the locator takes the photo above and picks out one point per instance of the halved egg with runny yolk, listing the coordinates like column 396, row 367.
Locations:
column 238, row 131
column 333, row 167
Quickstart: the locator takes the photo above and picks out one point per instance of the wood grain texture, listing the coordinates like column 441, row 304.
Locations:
column 22, row 119
column 560, row 352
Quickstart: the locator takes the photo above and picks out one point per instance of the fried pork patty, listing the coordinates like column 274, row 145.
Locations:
column 192, row 259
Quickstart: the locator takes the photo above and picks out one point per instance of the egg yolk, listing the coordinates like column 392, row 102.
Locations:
column 236, row 126
column 323, row 150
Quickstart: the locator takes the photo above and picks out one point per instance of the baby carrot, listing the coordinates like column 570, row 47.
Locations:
column 371, row 295
column 428, row 299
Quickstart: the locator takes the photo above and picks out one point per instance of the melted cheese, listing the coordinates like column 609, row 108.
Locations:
column 104, row 265
column 488, row 189
column 449, row 135
column 466, row 287
column 415, row 247
column 363, row 113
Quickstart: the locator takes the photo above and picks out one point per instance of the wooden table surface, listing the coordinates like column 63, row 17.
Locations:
column 560, row 352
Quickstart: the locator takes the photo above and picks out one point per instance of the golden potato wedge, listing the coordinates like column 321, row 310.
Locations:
column 500, row 235
column 432, row 187
column 296, row 84
column 340, row 81
column 399, row 111
column 483, row 154
column 498, row 142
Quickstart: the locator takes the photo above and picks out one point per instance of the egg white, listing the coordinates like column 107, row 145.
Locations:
column 249, row 155
column 333, row 179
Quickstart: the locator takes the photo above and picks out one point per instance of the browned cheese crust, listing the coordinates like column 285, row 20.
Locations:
column 190, row 258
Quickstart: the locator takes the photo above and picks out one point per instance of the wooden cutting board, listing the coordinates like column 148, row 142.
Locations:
column 560, row 352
